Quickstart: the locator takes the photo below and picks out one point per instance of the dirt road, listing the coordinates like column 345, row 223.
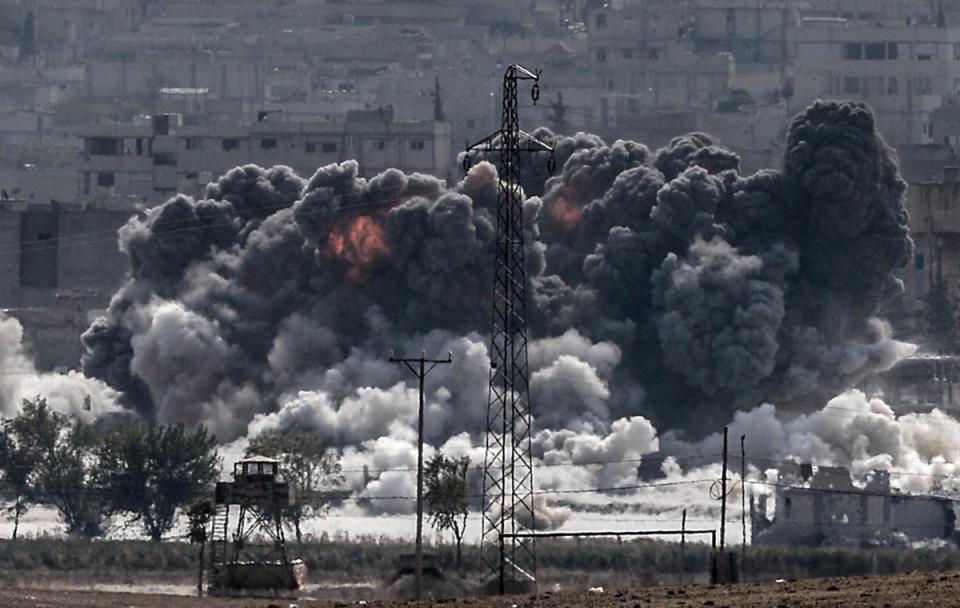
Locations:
column 913, row 590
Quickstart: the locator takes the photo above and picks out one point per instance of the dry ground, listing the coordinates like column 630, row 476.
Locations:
column 911, row 590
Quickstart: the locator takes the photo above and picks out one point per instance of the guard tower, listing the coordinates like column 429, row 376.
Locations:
column 248, row 551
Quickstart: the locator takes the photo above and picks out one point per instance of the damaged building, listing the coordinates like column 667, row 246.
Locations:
column 919, row 383
column 822, row 506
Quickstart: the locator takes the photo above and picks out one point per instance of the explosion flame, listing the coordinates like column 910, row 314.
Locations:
column 359, row 245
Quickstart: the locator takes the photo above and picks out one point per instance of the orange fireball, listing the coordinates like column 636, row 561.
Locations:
column 359, row 245
column 566, row 212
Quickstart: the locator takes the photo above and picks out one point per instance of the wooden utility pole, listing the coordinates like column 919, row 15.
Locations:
column 683, row 548
column 743, row 497
column 723, row 495
column 420, row 371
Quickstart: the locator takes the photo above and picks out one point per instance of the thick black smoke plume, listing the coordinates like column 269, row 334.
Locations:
column 662, row 284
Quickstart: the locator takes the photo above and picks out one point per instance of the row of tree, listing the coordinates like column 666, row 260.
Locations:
column 146, row 474
column 91, row 473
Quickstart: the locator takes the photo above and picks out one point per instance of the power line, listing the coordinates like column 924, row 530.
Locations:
column 104, row 490
column 56, row 242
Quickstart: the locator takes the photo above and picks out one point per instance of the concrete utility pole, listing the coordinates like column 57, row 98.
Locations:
column 723, row 495
column 420, row 371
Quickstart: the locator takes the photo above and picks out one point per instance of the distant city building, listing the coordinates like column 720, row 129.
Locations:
column 61, row 265
column 125, row 164
column 919, row 383
column 905, row 72
column 822, row 506
column 934, row 208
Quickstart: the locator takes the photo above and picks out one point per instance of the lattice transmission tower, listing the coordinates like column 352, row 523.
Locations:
column 508, row 491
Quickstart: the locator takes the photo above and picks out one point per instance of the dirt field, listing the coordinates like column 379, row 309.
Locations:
column 913, row 590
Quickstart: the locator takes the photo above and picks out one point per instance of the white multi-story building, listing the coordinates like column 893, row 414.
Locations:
column 127, row 164
column 903, row 72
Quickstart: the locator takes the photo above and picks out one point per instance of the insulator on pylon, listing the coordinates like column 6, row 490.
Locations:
column 467, row 163
column 535, row 93
column 551, row 164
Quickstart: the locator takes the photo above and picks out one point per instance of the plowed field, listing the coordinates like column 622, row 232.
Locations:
column 912, row 590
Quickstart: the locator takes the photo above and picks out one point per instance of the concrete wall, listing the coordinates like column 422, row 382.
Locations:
column 752, row 31
column 935, row 226
column 86, row 258
column 51, row 284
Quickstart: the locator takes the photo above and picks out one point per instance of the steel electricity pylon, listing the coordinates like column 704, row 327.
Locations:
column 508, row 491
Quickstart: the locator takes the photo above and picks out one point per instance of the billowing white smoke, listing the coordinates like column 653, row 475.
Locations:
column 568, row 386
column 369, row 406
column 864, row 434
column 603, row 457
column 71, row 393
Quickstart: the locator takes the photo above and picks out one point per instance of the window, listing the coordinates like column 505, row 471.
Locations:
column 164, row 159
column 105, row 180
column 893, row 50
column 918, row 260
column 381, row 145
column 191, row 176
column 328, row 147
column 231, row 143
column 874, row 50
column 417, row 145
column 268, row 143
column 924, row 56
column 105, row 146
column 851, row 85
column 892, row 85
column 194, row 143
column 628, row 53
column 787, row 507
column 956, row 51
column 310, row 148
column 601, row 55
column 923, row 86
column 853, row 50
column 602, row 20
